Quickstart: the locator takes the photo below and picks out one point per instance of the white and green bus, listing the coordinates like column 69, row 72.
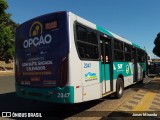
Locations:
column 63, row 58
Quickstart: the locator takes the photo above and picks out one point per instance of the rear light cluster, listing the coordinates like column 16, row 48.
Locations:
column 63, row 72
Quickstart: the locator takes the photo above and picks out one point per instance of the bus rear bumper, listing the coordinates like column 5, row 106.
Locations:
column 56, row 95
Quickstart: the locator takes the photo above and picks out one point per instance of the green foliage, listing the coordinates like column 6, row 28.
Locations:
column 3, row 5
column 7, row 33
column 156, row 49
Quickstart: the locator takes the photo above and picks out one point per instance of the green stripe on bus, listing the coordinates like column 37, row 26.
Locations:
column 119, row 68
column 135, row 45
column 103, row 30
column 57, row 95
column 123, row 68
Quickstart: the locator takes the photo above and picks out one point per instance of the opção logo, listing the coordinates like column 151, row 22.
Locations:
column 36, row 37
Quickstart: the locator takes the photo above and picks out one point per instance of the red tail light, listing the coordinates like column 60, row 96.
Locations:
column 64, row 72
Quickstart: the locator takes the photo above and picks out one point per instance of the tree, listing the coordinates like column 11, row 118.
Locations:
column 156, row 49
column 3, row 6
column 7, row 33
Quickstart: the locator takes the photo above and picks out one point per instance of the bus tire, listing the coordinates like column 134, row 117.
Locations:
column 119, row 88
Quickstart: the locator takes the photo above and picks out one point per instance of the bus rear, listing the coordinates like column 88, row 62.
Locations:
column 41, row 67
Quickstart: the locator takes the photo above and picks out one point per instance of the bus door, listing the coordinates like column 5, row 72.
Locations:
column 135, row 67
column 105, row 64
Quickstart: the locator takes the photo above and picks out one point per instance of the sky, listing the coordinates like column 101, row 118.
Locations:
column 136, row 20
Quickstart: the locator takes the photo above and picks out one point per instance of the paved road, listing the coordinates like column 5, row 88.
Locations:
column 7, row 84
column 88, row 110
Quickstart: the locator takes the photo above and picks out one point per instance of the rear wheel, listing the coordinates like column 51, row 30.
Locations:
column 119, row 88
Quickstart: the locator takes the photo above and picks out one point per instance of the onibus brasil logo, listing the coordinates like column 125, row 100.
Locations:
column 36, row 36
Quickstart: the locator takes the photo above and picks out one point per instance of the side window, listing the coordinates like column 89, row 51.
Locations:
column 87, row 43
column 118, row 51
column 118, row 45
column 87, row 51
column 118, row 55
column 81, row 33
column 128, row 52
column 92, row 37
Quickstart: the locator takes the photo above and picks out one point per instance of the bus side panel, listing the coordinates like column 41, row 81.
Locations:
column 91, row 92
column 128, row 79
column 83, row 74
column 74, row 63
column 126, row 70
column 90, row 72
column 140, row 71
column 91, row 80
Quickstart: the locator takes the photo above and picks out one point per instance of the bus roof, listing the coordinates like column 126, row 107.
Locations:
column 107, row 32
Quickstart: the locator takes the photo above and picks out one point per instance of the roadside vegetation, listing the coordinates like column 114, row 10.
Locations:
column 156, row 49
column 7, row 34
column 7, row 37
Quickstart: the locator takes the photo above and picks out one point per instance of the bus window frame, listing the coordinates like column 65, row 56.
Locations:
column 130, row 46
column 118, row 50
column 141, row 54
column 76, row 40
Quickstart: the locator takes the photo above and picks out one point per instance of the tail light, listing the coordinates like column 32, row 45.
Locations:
column 63, row 72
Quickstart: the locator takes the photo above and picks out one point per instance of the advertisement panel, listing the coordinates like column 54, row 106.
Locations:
column 41, row 44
